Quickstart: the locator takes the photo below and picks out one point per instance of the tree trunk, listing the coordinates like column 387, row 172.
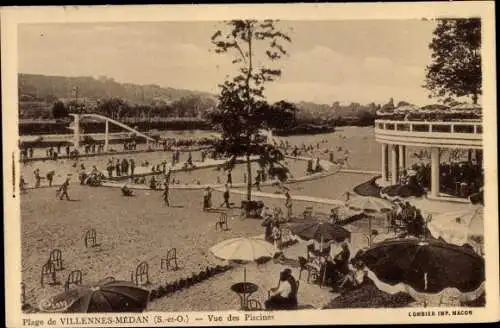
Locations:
column 249, row 178
column 247, row 84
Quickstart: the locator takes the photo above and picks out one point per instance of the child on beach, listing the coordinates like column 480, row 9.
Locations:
column 226, row 197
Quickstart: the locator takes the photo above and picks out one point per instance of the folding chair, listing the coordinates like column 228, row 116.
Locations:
column 55, row 258
column 313, row 271
column 171, row 257
column 141, row 274
column 222, row 222
column 74, row 278
column 48, row 270
column 90, row 238
column 254, row 305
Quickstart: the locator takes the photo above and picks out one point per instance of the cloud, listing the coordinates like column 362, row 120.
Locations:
column 177, row 55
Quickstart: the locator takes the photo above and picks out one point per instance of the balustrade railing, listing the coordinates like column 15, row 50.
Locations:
column 430, row 127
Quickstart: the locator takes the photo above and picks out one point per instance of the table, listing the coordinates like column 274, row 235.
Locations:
column 244, row 291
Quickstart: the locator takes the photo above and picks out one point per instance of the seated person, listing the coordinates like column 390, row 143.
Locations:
column 276, row 234
column 312, row 253
column 268, row 223
column 126, row 191
column 336, row 265
column 334, row 216
column 283, row 297
column 357, row 274
column 152, row 183
column 266, row 212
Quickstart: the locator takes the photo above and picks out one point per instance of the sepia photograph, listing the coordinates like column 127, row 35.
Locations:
column 259, row 166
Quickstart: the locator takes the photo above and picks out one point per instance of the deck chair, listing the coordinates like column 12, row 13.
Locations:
column 48, row 271
column 170, row 260
column 222, row 222
column 254, row 305
column 312, row 270
column 74, row 278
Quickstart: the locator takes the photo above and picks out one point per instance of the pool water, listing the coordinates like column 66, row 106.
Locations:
column 209, row 175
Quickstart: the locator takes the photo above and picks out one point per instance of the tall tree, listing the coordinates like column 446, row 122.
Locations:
column 282, row 115
column 455, row 70
column 242, row 109
column 113, row 108
column 59, row 110
column 389, row 105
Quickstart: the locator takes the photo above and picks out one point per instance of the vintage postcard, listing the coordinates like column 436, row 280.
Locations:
column 250, row 164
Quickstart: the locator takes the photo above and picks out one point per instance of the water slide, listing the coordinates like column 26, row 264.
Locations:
column 105, row 118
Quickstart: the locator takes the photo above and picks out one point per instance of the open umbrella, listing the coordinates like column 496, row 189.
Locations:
column 320, row 231
column 369, row 296
column 426, row 266
column 370, row 204
column 477, row 198
column 243, row 249
column 107, row 295
column 459, row 228
column 401, row 191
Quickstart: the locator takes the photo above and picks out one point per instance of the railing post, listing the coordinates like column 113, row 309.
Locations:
column 452, row 128
column 106, row 136
column 430, row 127
column 475, row 128
column 411, row 127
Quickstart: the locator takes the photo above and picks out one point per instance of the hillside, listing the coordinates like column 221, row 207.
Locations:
column 37, row 94
column 34, row 87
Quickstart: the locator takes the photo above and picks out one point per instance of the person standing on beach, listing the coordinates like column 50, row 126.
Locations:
column 125, row 166
column 230, row 179
column 226, row 197
column 347, row 196
column 50, row 177
column 165, row 194
column 63, row 190
column 288, row 205
column 132, row 167
column 118, row 168
column 257, row 181
column 207, row 199
column 37, row 178
column 22, row 185
column 109, row 168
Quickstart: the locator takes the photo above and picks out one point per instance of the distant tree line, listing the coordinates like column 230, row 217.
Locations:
column 284, row 118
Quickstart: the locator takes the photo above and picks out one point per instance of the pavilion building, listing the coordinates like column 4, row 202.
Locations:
column 396, row 135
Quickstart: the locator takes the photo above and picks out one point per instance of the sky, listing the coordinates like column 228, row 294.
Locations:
column 346, row 61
